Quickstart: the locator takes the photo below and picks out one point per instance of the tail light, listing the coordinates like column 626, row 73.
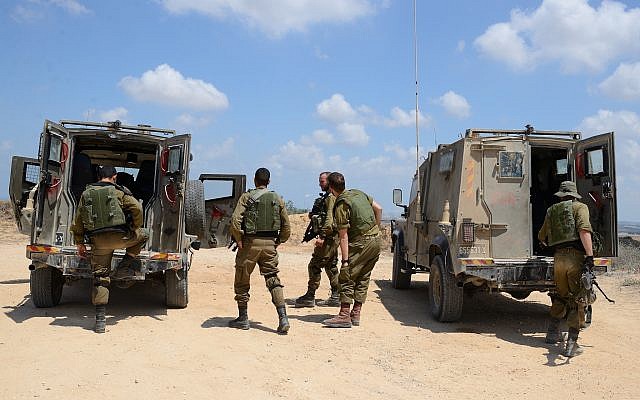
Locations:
column 468, row 231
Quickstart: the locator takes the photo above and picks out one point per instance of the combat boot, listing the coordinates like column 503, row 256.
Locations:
column 307, row 300
column 242, row 322
column 572, row 348
column 342, row 320
column 355, row 313
column 332, row 301
column 553, row 332
column 101, row 319
column 283, row 320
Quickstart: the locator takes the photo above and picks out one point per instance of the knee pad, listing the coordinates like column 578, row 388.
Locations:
column 272, row 281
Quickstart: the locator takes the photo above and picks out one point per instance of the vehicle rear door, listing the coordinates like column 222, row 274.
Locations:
column 53, row 155
column 505, row 194
column 222, row 192
column 174, row 172
column 595, row 179
column 25, row 173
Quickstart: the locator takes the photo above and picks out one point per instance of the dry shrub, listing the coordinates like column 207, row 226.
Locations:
column 628, row 255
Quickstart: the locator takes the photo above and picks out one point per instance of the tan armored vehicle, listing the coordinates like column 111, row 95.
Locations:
column 476, row 206
column 154, row 165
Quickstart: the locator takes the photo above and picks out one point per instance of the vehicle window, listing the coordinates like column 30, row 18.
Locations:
column 511, row 164
column 174, row 161
column 32, row 173
column 446, row 162
column 562, row 166
column 414, row 190
column 595, row 162
column 218, row 189
column 55, row 150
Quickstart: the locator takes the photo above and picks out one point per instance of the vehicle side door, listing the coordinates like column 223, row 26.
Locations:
column 25, row 173
column 173, row 174
column 222, row 192
column 596, row 182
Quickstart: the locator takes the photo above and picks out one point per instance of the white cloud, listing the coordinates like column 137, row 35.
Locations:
column 336, row 109
column 189, row 120
column 405, row 153
column 320, row 55
column 34, row 10
column 460, row 46
column 277, row 17
column 319, row 136
column 298, row 157
column 624, row 83
column 118, row 113
column 454, row 104
column 353, row 134
column 71, row 6
column 166, row 86
column 570, row 32
column 402, row 118
column 219, row 150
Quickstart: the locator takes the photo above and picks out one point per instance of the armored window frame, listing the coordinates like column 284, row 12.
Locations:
column 445, row 164
column 511, row 164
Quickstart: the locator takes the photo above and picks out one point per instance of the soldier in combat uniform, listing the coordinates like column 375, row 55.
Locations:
column 259, row 224
column 568, row 231
column 103, row 214
column 325, row 252
column 357, row 219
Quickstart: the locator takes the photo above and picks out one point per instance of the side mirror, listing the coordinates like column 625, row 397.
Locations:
column 397, row 197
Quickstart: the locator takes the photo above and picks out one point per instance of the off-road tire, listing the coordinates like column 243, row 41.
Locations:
column 176, row 287
column 46, row 286
column 444, row 294
column 399, row 279
column 194, row 213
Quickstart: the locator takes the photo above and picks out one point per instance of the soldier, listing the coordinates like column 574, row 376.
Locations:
column 103, row 214
column 568, row 231
column 357, row 218
column 325, row 252
column 259, row 224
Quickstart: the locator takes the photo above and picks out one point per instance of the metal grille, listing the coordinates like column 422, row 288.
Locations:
column 32, row 173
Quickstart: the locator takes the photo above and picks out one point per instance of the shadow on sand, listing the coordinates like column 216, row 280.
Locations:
column 75, row 309
column 520, row 322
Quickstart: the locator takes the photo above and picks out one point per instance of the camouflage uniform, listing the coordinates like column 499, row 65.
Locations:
column 105, row 241
column 354, row 212
column 259, row 248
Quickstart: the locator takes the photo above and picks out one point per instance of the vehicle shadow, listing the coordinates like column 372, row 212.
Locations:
column 223, row 322
column 515, row 321
column 144, row 299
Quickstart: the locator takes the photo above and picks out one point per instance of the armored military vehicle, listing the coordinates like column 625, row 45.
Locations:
column 154, row 165
column 476, row 206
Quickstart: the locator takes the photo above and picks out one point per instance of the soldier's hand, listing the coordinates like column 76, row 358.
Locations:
column 82, row 250
column 588, row 263
column 239, row 245
column 319, row 242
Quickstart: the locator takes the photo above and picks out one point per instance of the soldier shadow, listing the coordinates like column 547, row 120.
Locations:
column 223, row 322
column 144, row 299
column 515, row 321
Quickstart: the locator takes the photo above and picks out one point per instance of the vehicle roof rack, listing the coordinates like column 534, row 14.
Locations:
column 117, row 126
column 528, row 131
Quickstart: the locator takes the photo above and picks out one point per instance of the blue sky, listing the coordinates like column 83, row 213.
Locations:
column 304, row 86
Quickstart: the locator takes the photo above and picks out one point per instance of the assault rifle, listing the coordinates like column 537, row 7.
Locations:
column 317, row 216
column 233, row 245
column 588, row 280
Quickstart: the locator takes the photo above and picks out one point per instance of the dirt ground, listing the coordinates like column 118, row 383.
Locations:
column 399, row 351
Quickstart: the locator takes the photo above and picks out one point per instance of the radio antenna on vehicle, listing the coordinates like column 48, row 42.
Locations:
column 418, row 216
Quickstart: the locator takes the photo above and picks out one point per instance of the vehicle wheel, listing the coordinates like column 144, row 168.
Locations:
column 520, row 295
column 176, row 288
column 399, row 279
column 194, row 209
column 46, row 286
column 444, row 293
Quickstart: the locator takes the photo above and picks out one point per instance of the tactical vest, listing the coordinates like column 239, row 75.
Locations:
column 362, row 217
column 262, row 215
column 318, row 214
column 101, row 208
column 562, row 224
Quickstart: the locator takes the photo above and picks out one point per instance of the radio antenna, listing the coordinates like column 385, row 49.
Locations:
column 415, row 54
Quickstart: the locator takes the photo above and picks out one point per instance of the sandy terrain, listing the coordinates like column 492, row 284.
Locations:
column 398, row 352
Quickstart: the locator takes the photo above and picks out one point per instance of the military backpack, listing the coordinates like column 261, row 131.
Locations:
column 101, row 208
column 262, row 213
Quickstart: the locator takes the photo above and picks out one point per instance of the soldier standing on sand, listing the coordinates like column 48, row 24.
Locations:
column 102, row 216
column 325, row 252
column 259, row 224
column 357, row 218
column 567, row 229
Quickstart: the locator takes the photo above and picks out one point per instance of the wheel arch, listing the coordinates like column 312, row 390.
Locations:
column 440, row 246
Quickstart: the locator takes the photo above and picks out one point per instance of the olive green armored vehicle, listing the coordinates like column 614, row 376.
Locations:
column 154, row 165
column 476, row 206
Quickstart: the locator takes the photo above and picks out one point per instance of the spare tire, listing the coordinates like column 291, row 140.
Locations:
column 194, row 214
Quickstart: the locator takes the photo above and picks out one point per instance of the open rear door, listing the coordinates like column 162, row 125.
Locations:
column 595, row 179
column 25, row 173
column 221, row 197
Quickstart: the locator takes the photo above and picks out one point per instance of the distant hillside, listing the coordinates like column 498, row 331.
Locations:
column 632, row 228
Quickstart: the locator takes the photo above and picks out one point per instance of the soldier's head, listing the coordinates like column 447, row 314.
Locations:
column 107, row 173
column 568, row 191
column 336, row 183
column 322, row 181
column 262, row 176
